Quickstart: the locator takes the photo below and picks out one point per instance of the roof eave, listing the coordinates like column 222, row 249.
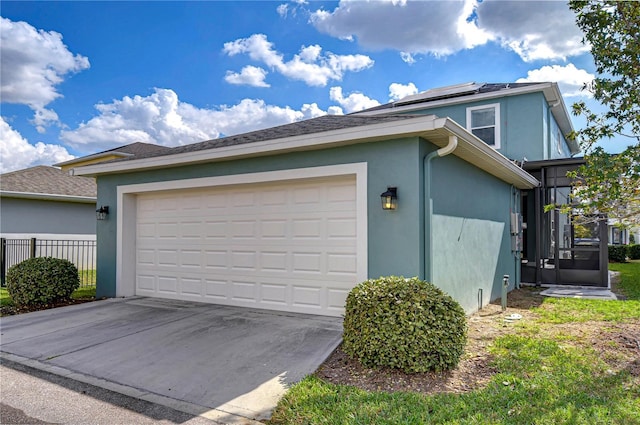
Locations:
column 483, row 156
column 475, row 150
column 320, row 140
column 91, row 157
column 48, row 197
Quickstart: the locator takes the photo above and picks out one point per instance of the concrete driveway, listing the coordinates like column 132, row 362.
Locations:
column 223, row 363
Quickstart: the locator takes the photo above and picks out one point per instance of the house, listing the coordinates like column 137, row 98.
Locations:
column 290, row 218
column 45, row 202
column 619, row 235
column 48, row 202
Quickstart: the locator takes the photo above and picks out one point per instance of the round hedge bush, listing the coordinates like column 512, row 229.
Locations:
column 42, row 280
column 406, row 324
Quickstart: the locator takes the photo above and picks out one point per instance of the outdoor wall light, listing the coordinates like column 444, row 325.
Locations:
column 101, row 213
column 390, row 198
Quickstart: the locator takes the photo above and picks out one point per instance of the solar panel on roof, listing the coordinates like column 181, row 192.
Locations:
column 441, row 92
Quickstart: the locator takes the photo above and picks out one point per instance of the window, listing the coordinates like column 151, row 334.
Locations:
column 484, row 122
column 559, row 141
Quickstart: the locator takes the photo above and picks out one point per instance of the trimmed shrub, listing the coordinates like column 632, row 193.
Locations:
column 617, row 253
column 406, row 324
column 634, row 252
column 42, row 280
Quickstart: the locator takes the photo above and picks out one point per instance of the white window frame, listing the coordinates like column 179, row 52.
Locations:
column 496, row 126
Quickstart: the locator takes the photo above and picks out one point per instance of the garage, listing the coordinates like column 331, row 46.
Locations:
column 279, row 245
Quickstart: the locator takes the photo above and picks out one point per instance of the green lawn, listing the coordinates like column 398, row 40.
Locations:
column 79, row 294
column 548, row 373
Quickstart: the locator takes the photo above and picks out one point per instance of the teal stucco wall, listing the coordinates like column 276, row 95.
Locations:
column 470, row 221
column 471, row 232
column 394, row 237
column 526, row 125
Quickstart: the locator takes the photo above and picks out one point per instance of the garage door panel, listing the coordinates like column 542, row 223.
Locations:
column 287, row 246
column 216, row 289
column 191, row 287
column 307, row 296
column 245, row 291
column 274, row 293
column 243, row 261
column 168, row 284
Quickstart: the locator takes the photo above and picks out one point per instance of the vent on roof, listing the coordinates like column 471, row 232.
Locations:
column 441, row 93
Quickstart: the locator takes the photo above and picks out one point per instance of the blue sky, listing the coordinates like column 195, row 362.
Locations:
column 82, row 77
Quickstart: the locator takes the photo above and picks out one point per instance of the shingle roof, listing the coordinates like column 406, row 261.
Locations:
column 133, row 149
column 47, row 180
column 137, row 148
column 301, row 128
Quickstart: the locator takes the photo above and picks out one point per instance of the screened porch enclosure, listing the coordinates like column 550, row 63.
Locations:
column 561, row 248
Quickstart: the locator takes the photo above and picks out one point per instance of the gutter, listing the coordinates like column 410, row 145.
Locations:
column 49, row 197
column 428, row 231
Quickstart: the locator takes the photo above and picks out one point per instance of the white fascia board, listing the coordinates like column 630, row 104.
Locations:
column 545, row 87
column 369, row 133
column 488, row 159
column 93, row 156
column 48, row 197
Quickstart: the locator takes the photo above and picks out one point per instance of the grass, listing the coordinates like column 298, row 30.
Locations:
column 87, row 277
column 5, row 298
column 545, row 376
column 630, row 276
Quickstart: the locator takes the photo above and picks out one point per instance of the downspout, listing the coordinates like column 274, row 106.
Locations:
column 428, row 234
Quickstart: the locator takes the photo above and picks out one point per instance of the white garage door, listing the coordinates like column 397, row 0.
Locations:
column 287, row 246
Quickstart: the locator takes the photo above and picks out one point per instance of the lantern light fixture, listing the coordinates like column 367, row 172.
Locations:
column 102, row 212
column 389, row 198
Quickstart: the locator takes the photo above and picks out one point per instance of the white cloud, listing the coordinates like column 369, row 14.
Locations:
column 353, row 102
column 410, row 27
column 250, row 76
column 408, row 58
column 532, row 29
column 310, row 65
column 397, row 91
column 163, row 119
column 283, row 10
column 32, row 64
column 569, row 78
column 17, row 153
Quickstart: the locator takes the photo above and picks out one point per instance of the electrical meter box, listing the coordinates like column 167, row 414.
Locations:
column 516, row 231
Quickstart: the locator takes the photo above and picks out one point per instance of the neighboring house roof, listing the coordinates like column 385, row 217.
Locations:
column 131, row 150
column 50, row 183
column 324, row 132
column 471, row 92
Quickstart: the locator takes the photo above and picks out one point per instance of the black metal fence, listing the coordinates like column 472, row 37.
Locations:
column 82, row 253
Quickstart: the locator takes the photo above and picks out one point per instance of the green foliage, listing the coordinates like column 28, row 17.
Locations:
column 610, row 184
column 633, row 251
column 618, row 253
column 42, row 280
column 629, row 281
column 542, row 378
column 407, row 324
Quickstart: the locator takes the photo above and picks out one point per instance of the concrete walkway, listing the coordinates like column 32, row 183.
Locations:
column 227, row 364
column 579, row 292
